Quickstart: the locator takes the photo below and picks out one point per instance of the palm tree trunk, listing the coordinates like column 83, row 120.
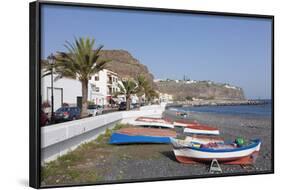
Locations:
column 84, row 111
column 128, row 102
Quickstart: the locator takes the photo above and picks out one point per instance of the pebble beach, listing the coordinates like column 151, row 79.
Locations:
column 247, row 127
column 158, row 161
column 104, row 163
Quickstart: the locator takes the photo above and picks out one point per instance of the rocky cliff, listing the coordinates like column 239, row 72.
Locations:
column 186, row 90
column 125, row 65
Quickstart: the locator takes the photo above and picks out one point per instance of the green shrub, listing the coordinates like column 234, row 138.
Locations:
column 189, row 98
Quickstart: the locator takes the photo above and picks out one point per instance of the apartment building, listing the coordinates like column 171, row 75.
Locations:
column 101, row 89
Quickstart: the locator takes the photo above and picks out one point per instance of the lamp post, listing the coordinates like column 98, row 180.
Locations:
column 52, row 62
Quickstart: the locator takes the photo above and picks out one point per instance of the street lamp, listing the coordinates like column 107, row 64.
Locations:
column 51, row 59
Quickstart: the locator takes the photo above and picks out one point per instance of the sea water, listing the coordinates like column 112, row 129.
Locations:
column 247, row 110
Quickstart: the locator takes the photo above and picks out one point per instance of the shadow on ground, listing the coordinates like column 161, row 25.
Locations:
column 170, row 155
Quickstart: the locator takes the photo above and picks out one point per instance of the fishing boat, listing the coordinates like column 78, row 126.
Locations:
column 201, row 129
column 224, row 153
column 196, row 139
column 134, row 135
column 182, row 123
column 153, row 122
column 153, row 119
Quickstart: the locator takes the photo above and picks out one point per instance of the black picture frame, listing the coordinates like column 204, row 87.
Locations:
column 35, row 85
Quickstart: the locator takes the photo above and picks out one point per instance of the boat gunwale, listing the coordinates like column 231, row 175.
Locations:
column 203, row 127
column 255, row 143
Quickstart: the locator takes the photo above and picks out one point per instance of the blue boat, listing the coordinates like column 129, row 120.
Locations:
column 118, row 138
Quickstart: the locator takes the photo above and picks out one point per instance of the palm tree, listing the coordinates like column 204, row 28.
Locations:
column 142, row 85
column 127, row 88
column 81, row 62
column 150, row 93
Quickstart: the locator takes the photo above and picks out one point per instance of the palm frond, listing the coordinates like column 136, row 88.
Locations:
column 80, row 61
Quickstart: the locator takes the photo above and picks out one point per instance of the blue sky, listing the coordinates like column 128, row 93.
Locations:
column 222, row 49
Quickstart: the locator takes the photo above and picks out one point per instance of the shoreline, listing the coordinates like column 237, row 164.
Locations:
column 198, row 103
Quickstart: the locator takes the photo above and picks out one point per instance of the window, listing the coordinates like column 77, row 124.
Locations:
column 97, row 78
column 97, row 89
column 93, row 87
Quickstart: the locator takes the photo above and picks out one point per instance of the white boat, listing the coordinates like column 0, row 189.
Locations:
column 226, row 153
column 152, row 119
column 191, row 140
column 153, row 124
column 185, row 123
column 201, row 129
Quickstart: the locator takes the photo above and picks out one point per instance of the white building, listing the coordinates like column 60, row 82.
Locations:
column 103, row 86
column 100, row 90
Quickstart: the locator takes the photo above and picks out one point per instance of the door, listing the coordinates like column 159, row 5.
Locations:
column 58, row 98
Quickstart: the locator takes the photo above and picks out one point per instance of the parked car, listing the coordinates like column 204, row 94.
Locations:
column 67, row 114
column 122, row 106
column 95, row 110
column 135, row 105
column 44, row 120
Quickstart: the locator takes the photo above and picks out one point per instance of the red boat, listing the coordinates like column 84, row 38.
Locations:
column 196, row 128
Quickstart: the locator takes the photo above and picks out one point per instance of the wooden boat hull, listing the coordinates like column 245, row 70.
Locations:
column 141, row 135
column 243, row 155
column 184, row 123
column 147, row 132
column 153, row 119
column 198, row 130
column 153, row 124
column 195, row 139
column 118, row 138
column 247, row 160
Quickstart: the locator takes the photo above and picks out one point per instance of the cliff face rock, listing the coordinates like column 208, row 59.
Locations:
column 186, row 90
column 125, row 65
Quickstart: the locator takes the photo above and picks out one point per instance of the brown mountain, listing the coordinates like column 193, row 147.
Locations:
column 125, row 65
column 185, row 90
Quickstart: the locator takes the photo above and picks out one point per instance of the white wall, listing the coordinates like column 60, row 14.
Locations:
column 71, row 89
column 58, row 139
